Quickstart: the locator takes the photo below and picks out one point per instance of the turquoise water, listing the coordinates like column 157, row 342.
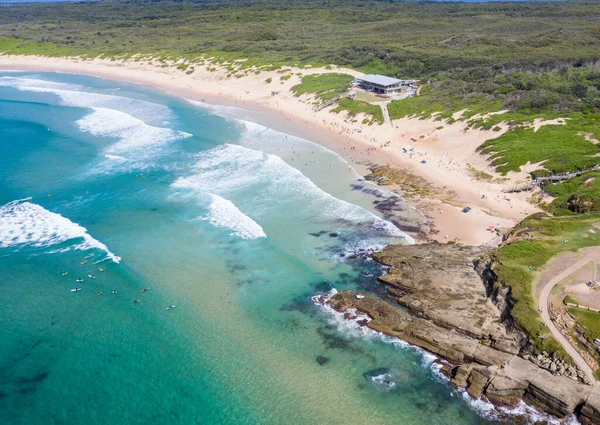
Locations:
column 226, row 220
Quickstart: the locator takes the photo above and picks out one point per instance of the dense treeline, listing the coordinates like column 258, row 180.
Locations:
column 405, row 39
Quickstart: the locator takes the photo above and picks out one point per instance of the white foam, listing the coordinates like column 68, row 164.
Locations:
column 496, row 413
column 78, row 96
column 134, row 134
column 231, row 112
column 115, row 157
column 230, row 169
column 224, row 213
column 383, row 381
column 113, row 116
column 352, row 327
column 24, row 223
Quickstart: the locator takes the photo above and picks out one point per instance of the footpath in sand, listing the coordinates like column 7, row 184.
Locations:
column 449, row 152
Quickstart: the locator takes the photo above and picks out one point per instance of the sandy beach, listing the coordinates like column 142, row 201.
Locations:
column 443, row 156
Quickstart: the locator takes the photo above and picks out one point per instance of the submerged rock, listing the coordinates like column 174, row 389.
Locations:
column 322, row 360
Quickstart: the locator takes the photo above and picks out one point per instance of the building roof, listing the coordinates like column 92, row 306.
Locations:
column 381, row 80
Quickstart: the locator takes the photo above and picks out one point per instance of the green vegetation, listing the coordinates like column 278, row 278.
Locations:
column 478, row 174
column 354, row 107
column 589, row 320
column 518, row 97
column 559, row 148
column 518, row 261
column 575, row 196
column 324, row 86
column 571, row 299
column 531, row 59
column 491, row 65
column 403, row 39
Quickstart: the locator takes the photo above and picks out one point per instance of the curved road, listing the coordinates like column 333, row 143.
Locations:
column 543, row 302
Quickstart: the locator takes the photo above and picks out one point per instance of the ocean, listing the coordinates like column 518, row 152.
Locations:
column 157, row 262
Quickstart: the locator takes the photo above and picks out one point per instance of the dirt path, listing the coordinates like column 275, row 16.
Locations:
column 543, row 303
column 386, row 114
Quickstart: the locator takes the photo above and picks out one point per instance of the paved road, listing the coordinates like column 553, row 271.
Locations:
column 543, row 302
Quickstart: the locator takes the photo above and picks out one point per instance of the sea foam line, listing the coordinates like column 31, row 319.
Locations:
column 24, row 223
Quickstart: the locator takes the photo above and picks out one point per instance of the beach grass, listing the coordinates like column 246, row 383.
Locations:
column 374, row 114
column 324, row 87
column 558, row 148
column 571, row 299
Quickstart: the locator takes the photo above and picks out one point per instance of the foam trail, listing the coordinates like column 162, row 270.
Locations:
column 230, row 112
column 24, row 223
column 229, row 169
column 224, row 213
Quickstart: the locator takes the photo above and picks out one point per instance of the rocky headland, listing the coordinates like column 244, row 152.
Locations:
column 441, row 298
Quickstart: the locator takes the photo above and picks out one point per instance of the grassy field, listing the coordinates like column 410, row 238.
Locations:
column 520, row 261
column 326, row 87
column 571, row 299
column 589, row 320
column 559, row 148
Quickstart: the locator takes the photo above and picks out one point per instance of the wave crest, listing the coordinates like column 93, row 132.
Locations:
column 24, row 223
column 224, row 213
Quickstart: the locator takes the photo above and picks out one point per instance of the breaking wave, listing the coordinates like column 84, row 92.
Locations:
column 224, row 213
column 23, row 223
column 232, row 169
column 123, row 118
column 78, row 96
column 134, row 134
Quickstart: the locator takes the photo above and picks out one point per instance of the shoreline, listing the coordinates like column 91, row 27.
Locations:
column 449, row 152
column 448, row 308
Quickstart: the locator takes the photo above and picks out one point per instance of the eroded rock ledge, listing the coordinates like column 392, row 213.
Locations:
column 449, row 312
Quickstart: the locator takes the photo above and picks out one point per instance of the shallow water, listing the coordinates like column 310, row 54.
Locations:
column 234, row 224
